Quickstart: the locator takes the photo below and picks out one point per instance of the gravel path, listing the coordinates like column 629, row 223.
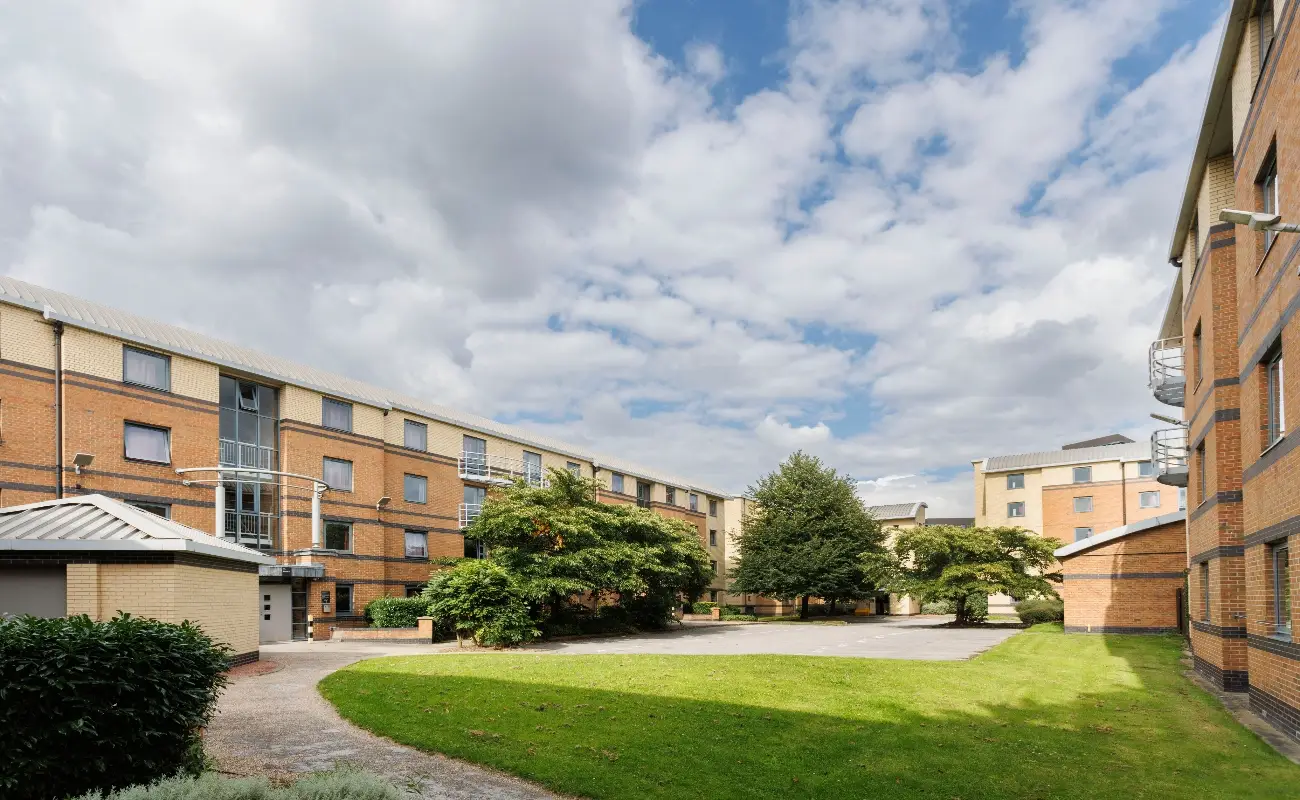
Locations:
column 277, row 724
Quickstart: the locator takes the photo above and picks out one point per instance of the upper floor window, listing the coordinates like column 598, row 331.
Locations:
column 338, row 536
column 1016, row 480
column 1269, row 190
column 1196, row 356
column 616, row 482
column 713, row 538
column 1146, row 469
column 643, row 494
column 147, row 443
column 1082, row 533
column 1149, row 499
column 337, row 473
column 1200, row 473
column 336, row 414
column 532, row 467
column 713, row 565
column 574, row 468
column 694, row 502
column 415, row 488
column 415, row 435
column 144, row 368
column 713, row 508
column 417, row 544
column 1275, row 402
column 1015, row 509
column 670, row 495
column 1083, row 474
column 1082, row 505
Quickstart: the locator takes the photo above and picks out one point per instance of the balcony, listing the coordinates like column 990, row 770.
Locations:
column 1169, row 456
column 251, row 529
column 500, row 470
column 1168, row 377
column 239, row 454
column 469, row 512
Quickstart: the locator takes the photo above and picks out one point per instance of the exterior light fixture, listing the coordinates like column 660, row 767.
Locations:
column 383, row 502
column 1258, row 220
column 82, row 460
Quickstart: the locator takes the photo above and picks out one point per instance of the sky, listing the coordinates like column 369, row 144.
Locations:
column 898, row 234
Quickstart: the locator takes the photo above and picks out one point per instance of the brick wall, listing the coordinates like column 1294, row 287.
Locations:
column 1128, row 584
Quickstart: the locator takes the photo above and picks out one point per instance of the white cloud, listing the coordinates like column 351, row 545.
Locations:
column 791, row 437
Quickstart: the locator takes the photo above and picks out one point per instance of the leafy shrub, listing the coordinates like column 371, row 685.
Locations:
column 90, row 705
column 937, row 607
column 481, row 599
column 1041, row 609
column 703, row 608
column 740, row 617
column 343, row 784
column 977, row 607
column 732, row 610
column 396, row 612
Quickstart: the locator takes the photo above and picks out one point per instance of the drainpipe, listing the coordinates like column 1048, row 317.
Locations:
column 58, row 405
column 1123, row 495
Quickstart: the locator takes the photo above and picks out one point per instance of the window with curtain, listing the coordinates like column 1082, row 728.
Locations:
column 144, row 368
column 1149, row 499
column 1015, row 509
column 1016, row 480
column 417, row 544
column 147, row 443
column 415, row 488
column 336, row 414
column 415, row 435
column 337, row 473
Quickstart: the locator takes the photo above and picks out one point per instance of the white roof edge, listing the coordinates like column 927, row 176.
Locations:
column 1119, row 533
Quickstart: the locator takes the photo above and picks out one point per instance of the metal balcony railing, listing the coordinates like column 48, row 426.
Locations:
column 500, row 469
column 251, row 529
column 1169, row 456
column 1168, row 377
column 469, row 512
column 239, row 454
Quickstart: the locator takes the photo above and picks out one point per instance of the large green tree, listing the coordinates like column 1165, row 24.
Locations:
column 960, row 565
column 806, row 536
column 560, row 544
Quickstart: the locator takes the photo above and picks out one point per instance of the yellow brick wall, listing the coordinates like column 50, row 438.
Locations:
column 192, row 378
column 997, row 496
column 1243, row 80
column 224, row 603
column 301, row 404
column 83, row 590
column 25, row 337
column 1217, row 192
column 92, row 354
column 142, row 590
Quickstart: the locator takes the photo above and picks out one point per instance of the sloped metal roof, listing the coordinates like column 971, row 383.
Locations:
column 896, row 511
column 1119, row 533
column 97, row 523
column 81, row 313
column 1137, row 451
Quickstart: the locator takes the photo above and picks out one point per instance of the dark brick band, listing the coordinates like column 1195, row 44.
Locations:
column 1222, row 551
column 1099, row 576
column 1280, row 714
column 245, row 658
column 1278, row 647
column 1229, row 680
column 1221, row 631
column 1271, row 533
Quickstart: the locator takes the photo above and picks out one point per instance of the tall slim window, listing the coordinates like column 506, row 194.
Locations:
column 1268, row 188
column 643, row 494
column 532, row 467
column 415, row 435
column 713, row 565
column 1015, row 509
column 1205, row 590
column 248, row 436
column 1016, row 480
column 474, row 456
column 670, row 495
column 147, row 443
column 336, row 414
column 1281, row 564
column 1182, row 498
column 1083, row 474
column 472, row 502
column 415, row 488
column 713, row 508
column 616, row 482
column 713, row 538
column 1083, row 505
column 337, row 473
column 1275, row 411
column 144, row 368
column 1200, row 473
column 1196, row 356
column 694, row 502
column 1265, row 16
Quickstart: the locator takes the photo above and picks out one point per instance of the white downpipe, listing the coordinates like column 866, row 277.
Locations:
column 316, row 492
column 220, row 528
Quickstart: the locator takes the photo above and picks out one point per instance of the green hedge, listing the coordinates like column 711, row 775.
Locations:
column 396, row 612
column 1036, row 610
column 90, row 705
column 339, row 785
column 740, row 617
column 703, row 608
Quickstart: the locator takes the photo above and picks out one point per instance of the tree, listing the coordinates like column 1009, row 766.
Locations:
column 482, row 600
column 966, row 565
column 806, row 536
column 560, row 543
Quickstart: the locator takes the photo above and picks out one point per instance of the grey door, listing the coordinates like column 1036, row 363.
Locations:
column 276, row 619
column 39, row 591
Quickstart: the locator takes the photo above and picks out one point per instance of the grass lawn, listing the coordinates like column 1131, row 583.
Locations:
column 1043, row 715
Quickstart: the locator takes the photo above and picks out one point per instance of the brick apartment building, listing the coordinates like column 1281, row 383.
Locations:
column 94, row 400
column 1226, row 335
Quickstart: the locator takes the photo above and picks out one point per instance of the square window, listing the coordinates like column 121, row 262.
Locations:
column 574, row 468
column 713, row 538
column 670, row 495
column 713, row 508
column 163, row 510
column 143, row 368
column 415, row 488
column 1015, row 509
column 1281, row 563
column 417, row 544
column 1083, row 474
column 338, row 536
column 342, row 598
column 337, row 474
column 1082, row 533
column 1146, row 469
column 694, row 502
column 1082, row 505
column 336, row 414
column 1016, row 480
column 1149, row 499
column 147, row 443
column 475, row 549
column 415, row 435
column 616, row 482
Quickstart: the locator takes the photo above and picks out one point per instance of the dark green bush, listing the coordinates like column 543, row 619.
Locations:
column 937, row 607
column 1041, row 609
column 396, row 612
column 977, row 607
column 732, row 610
column 703, row 608
column 90, row 705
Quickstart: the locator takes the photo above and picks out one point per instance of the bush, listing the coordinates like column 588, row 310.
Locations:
column 732, row 610
column 703, row 608
column 344, row 784
column 740, row 617
column 481, row 599
column 396, row 612
column 937, row 607
column 977, row 607
column 90, row 705
column 1041, row 609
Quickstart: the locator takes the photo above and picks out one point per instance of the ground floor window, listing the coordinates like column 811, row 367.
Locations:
column 342, row 598
column 417, row 544
column 1205, row 590
column 713, row 595
column 414, row 589
column 1281, row 562
column 475, row 549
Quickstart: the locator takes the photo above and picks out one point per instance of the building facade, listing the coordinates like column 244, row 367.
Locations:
column 1227, row 335
column 94, row 400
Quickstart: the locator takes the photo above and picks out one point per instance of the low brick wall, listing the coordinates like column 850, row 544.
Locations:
column 423, row 632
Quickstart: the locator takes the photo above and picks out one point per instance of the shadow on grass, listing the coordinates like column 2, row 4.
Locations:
column 788, row 726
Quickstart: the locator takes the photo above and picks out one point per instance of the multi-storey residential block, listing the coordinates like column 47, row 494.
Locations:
column 94, row 400
column 1228, row 331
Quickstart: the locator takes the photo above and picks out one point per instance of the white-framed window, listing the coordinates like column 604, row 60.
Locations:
column 1016, row 509
column 1146, row 469
column 574, row 468
column 693, row 501
column 713, row 538
column 1082, row 533
column 338, row 536
column 415, row 435
column 713, row 508
column 1268, row 186
column 616, row 482
column 1200, row 474
column 336, row 414
column 475, row 549
column 343, row 598
column 1275, row 413
column 670, row 495
column 337, row 473
column 417, row 544
column 147, row 443
column 163, row 510
column 1182, row 498
column 1280, row 561
column 415, row 488
column 1016, row 480
column 1149, row 499
column 1083, row 474
column 146, row 368
column 1083, row 505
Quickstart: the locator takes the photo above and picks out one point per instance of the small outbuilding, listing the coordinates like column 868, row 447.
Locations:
column 97, row 556
column 1127, row 579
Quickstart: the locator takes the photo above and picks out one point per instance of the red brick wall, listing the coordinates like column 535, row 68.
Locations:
column 1149, row 565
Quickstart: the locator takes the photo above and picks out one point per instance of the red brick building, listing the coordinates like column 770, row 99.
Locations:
column 1228, row 334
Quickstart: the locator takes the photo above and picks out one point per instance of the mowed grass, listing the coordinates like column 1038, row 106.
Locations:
column 1043, row 715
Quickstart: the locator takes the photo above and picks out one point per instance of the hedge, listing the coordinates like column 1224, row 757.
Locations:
column 1036, row 610
column 703, row 608
column 396, row 612
column 90, row 705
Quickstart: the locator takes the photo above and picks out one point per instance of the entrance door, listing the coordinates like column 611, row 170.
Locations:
column 298, row 608
column 276, row 621
column 882, row 605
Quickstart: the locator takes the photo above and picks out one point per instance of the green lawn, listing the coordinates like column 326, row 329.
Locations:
column 1044, row 715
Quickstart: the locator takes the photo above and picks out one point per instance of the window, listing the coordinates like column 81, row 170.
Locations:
column 473, row 504
column 1083, row 505
column 1195, row 230
column 1149, row 499
column 1182, row 498
column 670, row 495
column 414, row 589
column 474, row 456
column 336, row 414
column 713, row 538
column 147, row 443
column 1146, row 469
column 1200, row 473
column 1083, row 474
column 415, row 488
column 1275, row 401
column 1015, row 509
column 1281, row 563
column 713, row 508
column 533, row 467
column 694, row 502
column 1082, row 533
column 713, row 565
column 163, row 510
column 338, row 536
column 1016, row 480
column 1265, row 17
column 475, row 549
column 616, row 482
column 574, row 468
column 1196, row 356
column 643, row 494
column 1205, row 590
column 337, row 474
column 144, row 368
column 417, row 544
column 342, row 598
column 713, row 595
column 415, row 435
